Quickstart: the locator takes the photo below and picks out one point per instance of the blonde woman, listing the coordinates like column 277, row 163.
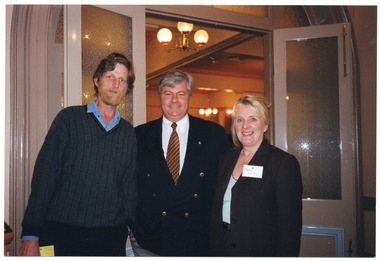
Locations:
column 257, row 206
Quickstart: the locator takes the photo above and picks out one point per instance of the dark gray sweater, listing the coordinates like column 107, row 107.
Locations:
column 83, row 176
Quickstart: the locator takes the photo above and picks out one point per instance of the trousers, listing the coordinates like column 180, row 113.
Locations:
column 138, row 250
column 78, row 241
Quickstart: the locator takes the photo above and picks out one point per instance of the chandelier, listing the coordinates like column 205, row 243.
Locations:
column 164, row 36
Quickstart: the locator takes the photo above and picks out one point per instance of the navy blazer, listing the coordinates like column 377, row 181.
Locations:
column 173, row 220
column 266, row 213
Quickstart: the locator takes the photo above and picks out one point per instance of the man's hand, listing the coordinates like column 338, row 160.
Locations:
column 29, row 248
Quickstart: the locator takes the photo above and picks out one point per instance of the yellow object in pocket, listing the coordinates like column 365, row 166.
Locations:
column 47, row 250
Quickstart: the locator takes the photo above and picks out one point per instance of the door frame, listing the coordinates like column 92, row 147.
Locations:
column 347, row 135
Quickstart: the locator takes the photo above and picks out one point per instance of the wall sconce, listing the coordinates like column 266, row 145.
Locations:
column 208, row 112
column 164, row 36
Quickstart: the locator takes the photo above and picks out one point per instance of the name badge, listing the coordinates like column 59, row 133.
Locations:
column 253, row 171
column 47, row 250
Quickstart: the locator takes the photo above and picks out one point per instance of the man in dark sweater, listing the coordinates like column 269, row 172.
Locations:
column 84, row 184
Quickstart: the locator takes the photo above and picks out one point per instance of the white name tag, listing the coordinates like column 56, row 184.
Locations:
column 253, row 171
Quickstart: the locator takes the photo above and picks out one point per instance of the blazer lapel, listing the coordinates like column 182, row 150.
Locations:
column 259, row 159
column 230, row 165
column 260, row 156
column 155, row 138
column 156, row 153
column 193, row 151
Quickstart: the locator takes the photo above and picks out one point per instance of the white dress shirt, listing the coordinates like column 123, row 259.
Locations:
column 183, row 133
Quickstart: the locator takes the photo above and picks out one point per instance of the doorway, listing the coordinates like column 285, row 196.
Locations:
column 229, row 66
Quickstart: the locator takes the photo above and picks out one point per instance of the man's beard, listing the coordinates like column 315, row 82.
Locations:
column 111, row 99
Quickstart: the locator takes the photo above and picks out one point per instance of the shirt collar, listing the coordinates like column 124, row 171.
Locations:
column 93, row 108
column 181, row 124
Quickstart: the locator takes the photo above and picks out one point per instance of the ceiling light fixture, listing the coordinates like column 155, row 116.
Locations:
column 207, row 112
column 164, row 36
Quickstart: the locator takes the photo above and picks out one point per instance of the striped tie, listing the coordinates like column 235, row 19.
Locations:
column 172, row 156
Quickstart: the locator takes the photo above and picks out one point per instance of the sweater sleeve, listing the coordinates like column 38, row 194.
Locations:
column 48, row 167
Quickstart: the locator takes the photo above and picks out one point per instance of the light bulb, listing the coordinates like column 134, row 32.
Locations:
column 164, row 36
column 201, row 37
column 208, row 112
column 184, row 28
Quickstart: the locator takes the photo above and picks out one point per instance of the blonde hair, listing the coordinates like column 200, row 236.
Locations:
column 257, row 104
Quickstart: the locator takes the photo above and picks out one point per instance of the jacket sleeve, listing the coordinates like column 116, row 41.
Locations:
column 288, row 189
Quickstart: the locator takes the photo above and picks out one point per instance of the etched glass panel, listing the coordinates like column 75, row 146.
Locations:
column 104, row 32
column 313, row 114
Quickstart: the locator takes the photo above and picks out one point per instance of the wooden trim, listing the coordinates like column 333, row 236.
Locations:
column 221, row 18
column 223, row 73
column 336, row 232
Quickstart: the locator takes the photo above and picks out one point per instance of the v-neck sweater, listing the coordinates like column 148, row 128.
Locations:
column 83, row 176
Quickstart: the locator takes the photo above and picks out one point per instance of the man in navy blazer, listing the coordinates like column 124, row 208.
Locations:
column 173, row 219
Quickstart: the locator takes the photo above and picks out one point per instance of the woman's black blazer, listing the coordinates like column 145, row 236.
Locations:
column 266, row 213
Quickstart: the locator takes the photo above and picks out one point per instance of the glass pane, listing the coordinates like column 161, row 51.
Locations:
column 313, row 114
column 104, row 32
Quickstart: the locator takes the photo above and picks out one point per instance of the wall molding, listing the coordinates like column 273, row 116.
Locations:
column 28, row 104
column 337, row 233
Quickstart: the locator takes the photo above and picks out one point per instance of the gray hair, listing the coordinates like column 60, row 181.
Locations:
column 175, row 78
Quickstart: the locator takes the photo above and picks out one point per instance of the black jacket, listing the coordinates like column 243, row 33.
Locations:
column 173, row 220
column 266, row 213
